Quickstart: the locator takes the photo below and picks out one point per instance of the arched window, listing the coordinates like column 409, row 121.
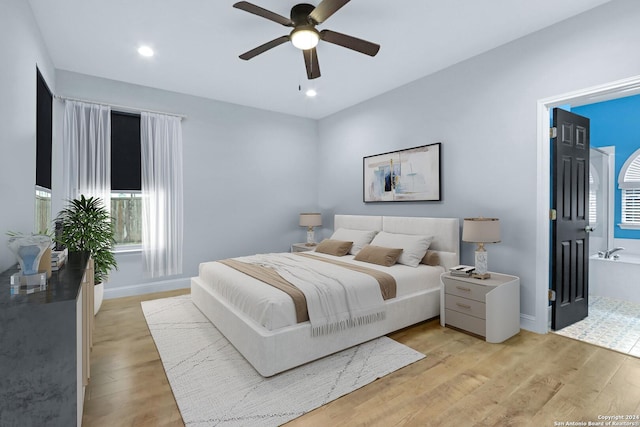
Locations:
column 629, row 183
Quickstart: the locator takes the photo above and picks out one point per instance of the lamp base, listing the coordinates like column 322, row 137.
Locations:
column 481, row 262
column 24, row 285
column 310, row 237
column 20, row 279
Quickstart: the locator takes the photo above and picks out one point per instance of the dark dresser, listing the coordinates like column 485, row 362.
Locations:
column 45, row 339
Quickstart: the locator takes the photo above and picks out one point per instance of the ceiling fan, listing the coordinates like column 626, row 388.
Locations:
column 305, row 36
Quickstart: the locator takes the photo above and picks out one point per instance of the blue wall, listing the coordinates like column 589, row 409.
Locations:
column 616, row 123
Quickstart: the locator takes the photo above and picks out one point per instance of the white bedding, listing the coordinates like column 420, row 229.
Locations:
column 272, row 348
column 273, row 309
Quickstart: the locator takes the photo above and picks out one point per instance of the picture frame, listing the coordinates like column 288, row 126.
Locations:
column 408, row 175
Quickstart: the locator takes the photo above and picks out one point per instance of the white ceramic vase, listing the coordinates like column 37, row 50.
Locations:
column 29, row 250
column 98, row 296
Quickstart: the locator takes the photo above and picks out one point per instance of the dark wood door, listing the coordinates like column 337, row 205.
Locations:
column 570, row 239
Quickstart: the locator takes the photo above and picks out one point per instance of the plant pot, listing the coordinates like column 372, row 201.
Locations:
column 98, row 296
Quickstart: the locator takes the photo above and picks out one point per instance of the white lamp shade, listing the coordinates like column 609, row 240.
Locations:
column 481, row 230
column 310, row 219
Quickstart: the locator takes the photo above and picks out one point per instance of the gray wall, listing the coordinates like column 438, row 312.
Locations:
column 21, row 49
column 483, row 111
column 248, row 173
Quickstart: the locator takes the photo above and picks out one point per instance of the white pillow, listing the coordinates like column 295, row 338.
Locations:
column 360, row 238
column 414, row 247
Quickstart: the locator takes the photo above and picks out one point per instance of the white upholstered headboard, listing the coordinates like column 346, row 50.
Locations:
column 445, row 231
column 358, row 222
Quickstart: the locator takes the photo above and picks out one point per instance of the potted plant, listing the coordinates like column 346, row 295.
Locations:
column 87, row 227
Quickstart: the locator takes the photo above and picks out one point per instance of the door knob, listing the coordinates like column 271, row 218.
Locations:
column 589, row 229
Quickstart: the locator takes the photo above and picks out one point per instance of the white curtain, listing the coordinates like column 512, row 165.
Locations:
column 161, row 147
column 87, row 151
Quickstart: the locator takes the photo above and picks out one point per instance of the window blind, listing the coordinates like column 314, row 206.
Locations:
column 44, row 120
column 631, row 206
column 593, row 200
column 125, row 152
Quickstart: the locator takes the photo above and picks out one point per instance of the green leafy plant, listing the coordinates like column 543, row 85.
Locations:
column 87, row 227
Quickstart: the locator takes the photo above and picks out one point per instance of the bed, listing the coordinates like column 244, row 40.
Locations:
column 262, row 324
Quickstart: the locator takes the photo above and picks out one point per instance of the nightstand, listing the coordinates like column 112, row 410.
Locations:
column 301, row 247
column 489, row 307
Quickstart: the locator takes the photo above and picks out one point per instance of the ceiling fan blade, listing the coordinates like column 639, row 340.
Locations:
column 263, row 48
column 350, row 42
column 311, row 61
column 325, row 9
column 257, row 10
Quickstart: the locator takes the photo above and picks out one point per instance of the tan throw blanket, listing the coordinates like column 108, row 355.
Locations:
column 388, row 286
column 272, row 278
column 336, row 298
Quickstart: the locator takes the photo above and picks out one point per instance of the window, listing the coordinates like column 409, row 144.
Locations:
column 126, row 215
column 629, row 183
column 43, row 209
column 126, row 197
column 593, row 196
column 44, row 120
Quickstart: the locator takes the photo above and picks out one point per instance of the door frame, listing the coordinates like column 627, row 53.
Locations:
column 541, row 321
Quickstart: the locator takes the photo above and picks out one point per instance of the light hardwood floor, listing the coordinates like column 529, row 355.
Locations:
column 529, row 380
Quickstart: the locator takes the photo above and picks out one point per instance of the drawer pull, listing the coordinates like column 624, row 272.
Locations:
column 468, row 307
column 463, row 289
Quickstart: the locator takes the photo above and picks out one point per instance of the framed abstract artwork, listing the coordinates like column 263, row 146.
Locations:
column 409, row 175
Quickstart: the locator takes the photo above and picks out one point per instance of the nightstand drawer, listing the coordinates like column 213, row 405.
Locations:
column 466, row 322
column 467, row 290
column 466, row 306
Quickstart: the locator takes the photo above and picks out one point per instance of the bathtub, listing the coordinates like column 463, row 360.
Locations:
column 615, row 278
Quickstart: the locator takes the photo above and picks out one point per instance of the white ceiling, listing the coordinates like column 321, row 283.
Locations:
column 197, row 43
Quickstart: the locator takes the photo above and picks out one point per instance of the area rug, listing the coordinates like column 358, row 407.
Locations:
column 215, row 386
column 611, row 323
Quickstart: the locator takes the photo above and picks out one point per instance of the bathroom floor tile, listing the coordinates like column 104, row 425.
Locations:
column 611, row 323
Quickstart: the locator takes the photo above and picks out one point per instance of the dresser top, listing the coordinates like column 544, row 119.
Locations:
column 63, row 285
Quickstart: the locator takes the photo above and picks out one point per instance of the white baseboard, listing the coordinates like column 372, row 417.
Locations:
column 530, row 324
column 147, row 288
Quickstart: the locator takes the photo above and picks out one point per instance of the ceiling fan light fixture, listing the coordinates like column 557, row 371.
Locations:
column 305, row 38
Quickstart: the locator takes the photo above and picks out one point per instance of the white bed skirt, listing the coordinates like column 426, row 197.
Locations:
column 272, row 352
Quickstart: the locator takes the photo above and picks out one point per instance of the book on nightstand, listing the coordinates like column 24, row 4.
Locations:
column 461, row 270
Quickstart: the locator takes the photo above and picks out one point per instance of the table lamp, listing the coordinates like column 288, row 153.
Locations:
column 29, row 250
column 481, row 231
column 310, row 220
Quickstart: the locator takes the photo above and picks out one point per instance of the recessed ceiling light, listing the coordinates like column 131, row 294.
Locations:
column 311, row 93
column 145, row 51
